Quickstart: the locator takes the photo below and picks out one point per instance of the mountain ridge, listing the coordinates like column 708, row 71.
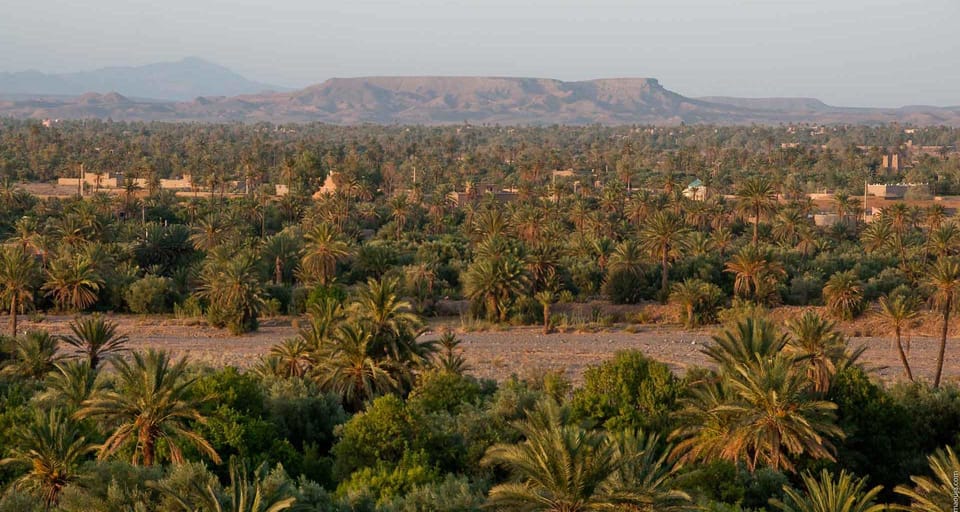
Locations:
column 436, row 100
column 180, row 80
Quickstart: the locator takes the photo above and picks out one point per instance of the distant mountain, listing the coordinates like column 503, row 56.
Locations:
column 492, row 100
column 172, row 81
column 781, row 104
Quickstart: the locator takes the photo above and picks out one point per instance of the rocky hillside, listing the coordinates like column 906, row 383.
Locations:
column 445, row 100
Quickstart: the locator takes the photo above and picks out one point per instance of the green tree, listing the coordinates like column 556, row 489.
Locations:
column 73, row 282
column 944, row 278
column 234, row 292
column 351, row 368
column 937, row 492
column 757, row 196
column 35, row 354
column 561, row 467
column 19, row 274
column 149, row 403
column 52, row 447
column 324, row 248
column 663, row 236
column 756, row 271
column 843, row 294
column 816, row 344
column 699, row 299
column 70, row 385
column 95, row 339
column 257, row 491
column 897, row 313
column 493, row 283
column 844, row 493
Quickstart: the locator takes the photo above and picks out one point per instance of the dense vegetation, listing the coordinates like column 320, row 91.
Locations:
column 359, row 412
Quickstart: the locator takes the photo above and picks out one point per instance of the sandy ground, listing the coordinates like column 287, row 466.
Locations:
column 498, row 354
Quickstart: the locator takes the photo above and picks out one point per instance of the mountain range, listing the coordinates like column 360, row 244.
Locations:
column 182, row 80
column 195, row 90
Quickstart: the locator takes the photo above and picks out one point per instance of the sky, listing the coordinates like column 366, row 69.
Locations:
column 878, row 53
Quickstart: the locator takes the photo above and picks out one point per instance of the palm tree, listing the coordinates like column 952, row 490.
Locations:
column 293, row 356
column 643, row 480
column 936, row 494
column 826, row 494
column 35, row 354
column 751, row 339
column 898, row 313
column 323, row 250
column 388, row 318
column 758, row 196
column 209, row 233
column 323, row 315
column 627, row 256
column 449, row 358
column 95, row 339
column 944, row 240
column 234, row 292
column 351, row 368
column 756, row 272
column 944, row 277
column 696, row 297
column 546, row 298
column 70, row 385
column 899, row 214
column 18, row 277
column 247, row 492
column 663, row 236
column 815, row 343
column 559, row 466
column 53, row 447
column 843, row 294
column 878, row 235
column 73, row 282
column 150, row 402
column 760, row 413
column 493, row 283
column 400, row 209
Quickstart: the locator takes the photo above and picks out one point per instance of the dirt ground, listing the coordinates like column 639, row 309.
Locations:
column 497, row 354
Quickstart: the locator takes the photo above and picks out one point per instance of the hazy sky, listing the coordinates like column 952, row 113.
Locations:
column 849, row 52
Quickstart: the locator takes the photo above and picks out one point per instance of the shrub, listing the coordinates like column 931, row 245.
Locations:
column 629, row 392
column 444, row 391
column 453, row 494
column 189, row 308
column 150, row 295
column 805, row 290
column 699, row 301
column 385, row 482
column 627, row 287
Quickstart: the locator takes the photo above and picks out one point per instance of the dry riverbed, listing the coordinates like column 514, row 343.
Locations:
column 497, row 354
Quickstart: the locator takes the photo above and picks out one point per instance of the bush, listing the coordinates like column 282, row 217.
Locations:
column 884, row 283
column 385, row 482
column 629, row 392
column 283, row 294
column 880, row 438
column 627, row 287
column 150, row 295
column 453, row 494
column 731, row 487
column 189, row 308
column 444, row 391
column 699, row 301
column 805, row 290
